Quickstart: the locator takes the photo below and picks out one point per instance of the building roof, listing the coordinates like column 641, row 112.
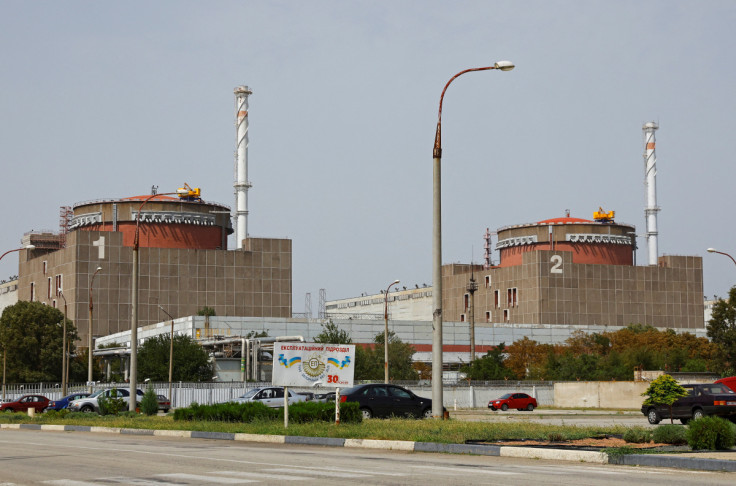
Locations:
column 565, row 220
column 157, row 197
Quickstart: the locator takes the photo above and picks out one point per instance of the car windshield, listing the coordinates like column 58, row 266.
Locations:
column 96, row 394
column 508, row 395
column 717, row 389
column 250, row 393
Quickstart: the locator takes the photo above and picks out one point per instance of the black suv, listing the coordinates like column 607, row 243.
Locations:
column 380, row 400
column 701, row 400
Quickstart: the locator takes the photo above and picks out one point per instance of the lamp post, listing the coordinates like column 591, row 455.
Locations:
column 171, row 352
column 89, row 335
column 385, row 332
column 437, row 409
column 713, row 250
column 63, row 349
column 27, row 247
column 134, row 302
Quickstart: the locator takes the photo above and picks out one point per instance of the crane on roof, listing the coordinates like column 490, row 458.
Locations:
column 186, row 193
column 602, row 216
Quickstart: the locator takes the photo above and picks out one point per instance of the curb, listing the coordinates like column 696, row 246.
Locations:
column 654, row 460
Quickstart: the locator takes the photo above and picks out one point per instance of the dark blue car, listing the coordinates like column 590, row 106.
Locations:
column 64, row 402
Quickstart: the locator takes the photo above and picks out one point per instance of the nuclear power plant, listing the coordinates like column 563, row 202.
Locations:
column 185, row 263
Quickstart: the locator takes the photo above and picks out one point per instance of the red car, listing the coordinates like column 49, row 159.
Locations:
column 39, row 402
column 519, row 401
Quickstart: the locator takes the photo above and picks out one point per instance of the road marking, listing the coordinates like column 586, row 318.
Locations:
column 206, row 479
column 262, row 475
column 469, row 470
column 320, row 472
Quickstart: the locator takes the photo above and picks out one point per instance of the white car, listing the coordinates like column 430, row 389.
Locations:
column 272, row 396
column 91, row 404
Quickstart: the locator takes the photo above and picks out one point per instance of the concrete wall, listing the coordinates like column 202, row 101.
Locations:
column 600, row 394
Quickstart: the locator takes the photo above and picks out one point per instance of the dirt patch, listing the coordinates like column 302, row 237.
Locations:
column 590, row 442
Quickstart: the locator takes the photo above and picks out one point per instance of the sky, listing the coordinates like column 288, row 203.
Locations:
column 103, row 100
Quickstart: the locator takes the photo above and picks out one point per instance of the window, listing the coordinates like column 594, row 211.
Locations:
column 509, row 300
column 33, row 291
column 506, row 315
column 488, row 281
column 49, row 287
column 488, row 316
column 497, row 299
column 462, row 317
column 59, row 282
column 53, row 303
column 45, row 266
column 514, row 297
column 466, row 302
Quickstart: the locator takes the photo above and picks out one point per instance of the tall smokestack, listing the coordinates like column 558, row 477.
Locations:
column 241, row 184
column 650, row 182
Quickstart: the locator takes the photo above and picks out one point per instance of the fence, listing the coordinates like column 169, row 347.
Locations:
column 460, row 394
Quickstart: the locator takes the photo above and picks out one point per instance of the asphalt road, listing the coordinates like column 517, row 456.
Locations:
column 82, row 459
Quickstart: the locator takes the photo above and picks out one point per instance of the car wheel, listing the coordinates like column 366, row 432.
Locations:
column 504, row 407
column 166, row 410
column 366, row 413
column 653, row 416
column 427, row 413
column 9, row 410
column 493, row 408
column 698, row 414
column 87, row 409
column 520, row 409
column 530, row 407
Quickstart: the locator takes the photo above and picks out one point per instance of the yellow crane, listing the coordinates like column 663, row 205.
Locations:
column 603, row 216
column 186, row 193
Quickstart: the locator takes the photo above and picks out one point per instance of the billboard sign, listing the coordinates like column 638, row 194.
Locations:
column 306, row 364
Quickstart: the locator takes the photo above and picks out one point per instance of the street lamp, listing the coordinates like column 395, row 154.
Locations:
column 385, row 332
column 713, row 250
column 171, row 352
column 63, row 349
column 89, row 336
column 27, row 247
column 437, row 247
column 134, row 301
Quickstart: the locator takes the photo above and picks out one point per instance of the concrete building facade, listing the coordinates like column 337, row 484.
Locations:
column 183, row 259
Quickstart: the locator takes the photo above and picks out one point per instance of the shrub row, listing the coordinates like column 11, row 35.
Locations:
column 301, row 412
column 711, row 433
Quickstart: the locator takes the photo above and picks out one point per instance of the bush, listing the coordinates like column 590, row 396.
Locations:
column 149, row 403
column 227, row 412
column 670, row 434
column 712, row 433
column 300, row 412
column 111, row 405
column 637, row 435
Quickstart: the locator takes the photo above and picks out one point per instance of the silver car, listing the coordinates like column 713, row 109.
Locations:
column 91, row 403
column 271, row 396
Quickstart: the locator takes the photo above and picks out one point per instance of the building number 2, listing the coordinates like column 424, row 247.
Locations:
column 556, row 264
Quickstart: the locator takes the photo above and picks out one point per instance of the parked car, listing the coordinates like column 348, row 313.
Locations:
column 22, row 404
column 64, row 402
column 272, row 396
column 381, row 400
column 324, row 397
column 519, row 401
column 91, row 403
column 164, row 404
column 701, row 400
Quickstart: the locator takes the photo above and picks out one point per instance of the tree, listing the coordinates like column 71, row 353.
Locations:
column 332, row 334
column 489, row 367
column 206, row 311
column 191, row 361
column 722, row 328
column 665, row 391
column 31, row 335
column 369, row 362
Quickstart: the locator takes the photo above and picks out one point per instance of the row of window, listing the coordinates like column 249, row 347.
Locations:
column 512, row 299
column 506, row 316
